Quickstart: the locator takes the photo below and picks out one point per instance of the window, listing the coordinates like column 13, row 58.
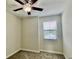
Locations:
column 49, row 30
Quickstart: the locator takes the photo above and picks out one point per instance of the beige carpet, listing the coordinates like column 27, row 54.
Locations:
column 32, row 55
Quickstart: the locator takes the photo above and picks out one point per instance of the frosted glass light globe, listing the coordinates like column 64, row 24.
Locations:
column 27, row 8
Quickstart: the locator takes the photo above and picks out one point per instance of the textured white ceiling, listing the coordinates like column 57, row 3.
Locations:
column 51, row 7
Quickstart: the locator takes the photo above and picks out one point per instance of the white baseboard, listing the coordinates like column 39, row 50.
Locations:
column 13, row 53
column 55, row 52
column 31, row 50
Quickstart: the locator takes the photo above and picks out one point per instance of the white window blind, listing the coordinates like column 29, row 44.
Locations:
column 49, row 29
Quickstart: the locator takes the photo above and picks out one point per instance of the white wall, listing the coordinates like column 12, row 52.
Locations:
column 51, row 45
column 31, row 38
column 24, row 34
column 13, row 34
column 30, row 33
column 67, row 30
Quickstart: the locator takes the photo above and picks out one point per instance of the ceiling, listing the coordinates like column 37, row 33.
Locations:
column 51, row 7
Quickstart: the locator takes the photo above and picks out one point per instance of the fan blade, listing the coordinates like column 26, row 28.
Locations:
column 33, row 1
column 20, row 2
column 29, row 13
column 38, row 9
column 18, row 9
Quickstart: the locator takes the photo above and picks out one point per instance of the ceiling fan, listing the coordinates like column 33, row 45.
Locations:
column 27, row 6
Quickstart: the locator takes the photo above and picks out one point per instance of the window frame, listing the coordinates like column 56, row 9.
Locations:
column 49, row 29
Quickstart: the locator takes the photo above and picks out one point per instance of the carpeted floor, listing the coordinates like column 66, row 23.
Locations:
column 32, row 55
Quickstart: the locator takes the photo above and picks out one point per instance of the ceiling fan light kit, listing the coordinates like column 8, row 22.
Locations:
column 28, row 6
